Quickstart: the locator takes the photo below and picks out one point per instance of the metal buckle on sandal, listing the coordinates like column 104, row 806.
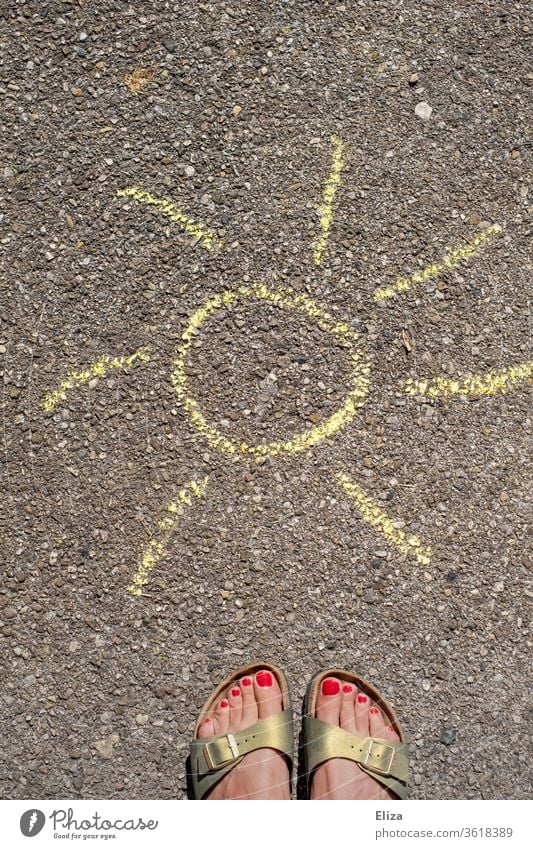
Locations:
column 219, row 753
column 378, row 757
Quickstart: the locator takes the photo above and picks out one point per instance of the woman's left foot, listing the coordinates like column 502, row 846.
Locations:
column 343, row 704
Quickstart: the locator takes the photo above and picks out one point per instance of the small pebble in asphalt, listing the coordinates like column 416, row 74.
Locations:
column 448, row 736
column 423, row 110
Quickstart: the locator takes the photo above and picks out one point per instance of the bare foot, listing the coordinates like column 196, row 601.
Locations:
column 342, row 704
column 262, row 774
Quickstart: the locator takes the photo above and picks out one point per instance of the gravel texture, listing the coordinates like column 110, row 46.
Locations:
column 228, row 111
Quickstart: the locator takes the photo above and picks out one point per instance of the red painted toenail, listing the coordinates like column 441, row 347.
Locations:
column 246, row 682
column 224, row 703
column 264, row 679
column 347, row 689
column 330, row 687
column 374, row 711
column 206, row 721
column 235, row 692
column 361, row 699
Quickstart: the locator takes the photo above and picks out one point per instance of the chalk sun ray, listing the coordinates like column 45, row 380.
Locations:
column 157, row 546
column 328, row 198
column 99, row 368
column 472, row 386
column 450, row 260
column 200, row 233
column 373, row 514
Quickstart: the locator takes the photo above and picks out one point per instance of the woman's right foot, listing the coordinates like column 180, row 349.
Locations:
column 343, row 704
column 263, row 773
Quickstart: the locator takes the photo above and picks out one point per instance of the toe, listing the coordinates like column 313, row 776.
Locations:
column 267, row 694
column 235, row 707
column 222, row 717
column 389, row 732
column 206, row 728
column 376, row 721
column 329, row 700
column 347, row 717
column 249, row 704
column 361, row 706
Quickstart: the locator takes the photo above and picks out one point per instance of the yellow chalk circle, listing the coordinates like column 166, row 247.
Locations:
column 456, row 256
column 328, row 198
column 374, row 515
column 359, row 376
column 156, row 548
column 198, row 231
column 490, row 383
column 97, row 369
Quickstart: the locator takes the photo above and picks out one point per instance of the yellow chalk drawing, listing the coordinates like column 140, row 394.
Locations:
column 374, row 515
column 137, row 79
column 451, row 259
column 328, row 198
column 200, row 233
column 359, row 372
column 156, row 548
column 97, row 369
column 490, row 383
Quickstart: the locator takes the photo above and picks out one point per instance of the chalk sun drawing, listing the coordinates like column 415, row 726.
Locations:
column 474, row 386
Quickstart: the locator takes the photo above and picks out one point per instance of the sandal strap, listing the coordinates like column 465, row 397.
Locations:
column 384, row 760
column 213, row 757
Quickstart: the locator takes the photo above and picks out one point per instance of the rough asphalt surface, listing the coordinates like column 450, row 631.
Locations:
column 100, row 689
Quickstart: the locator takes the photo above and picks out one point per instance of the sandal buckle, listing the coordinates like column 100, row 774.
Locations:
column 378, row 756
column 220, row 752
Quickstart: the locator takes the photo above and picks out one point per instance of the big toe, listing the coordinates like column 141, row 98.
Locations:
column 329, row 701
column 267, row 693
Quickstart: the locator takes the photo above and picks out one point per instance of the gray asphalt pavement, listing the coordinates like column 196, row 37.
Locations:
column 396, row 132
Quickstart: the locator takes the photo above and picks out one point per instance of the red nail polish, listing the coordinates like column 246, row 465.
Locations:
column 361, row 699
column 206, row 720
column 330, row 687
column 374, row 711
column 224, row 703
column 264, row 679
column 347, row 689
column 235, row 692
column 246, row 682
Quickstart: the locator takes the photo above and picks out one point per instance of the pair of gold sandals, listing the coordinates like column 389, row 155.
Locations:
column 213, row 757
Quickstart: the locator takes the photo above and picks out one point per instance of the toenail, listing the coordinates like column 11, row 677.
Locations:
column 330, row 687
column 374, row 711
column 224, row 703
column 347, row 689
column 206, row 720
column 235, row 692
column 390, row 728
column 361, row 699
column 246, row 682
column 264, row 679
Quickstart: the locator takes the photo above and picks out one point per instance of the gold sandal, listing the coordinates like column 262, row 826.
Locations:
column 211, row 758
column 384, row 760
